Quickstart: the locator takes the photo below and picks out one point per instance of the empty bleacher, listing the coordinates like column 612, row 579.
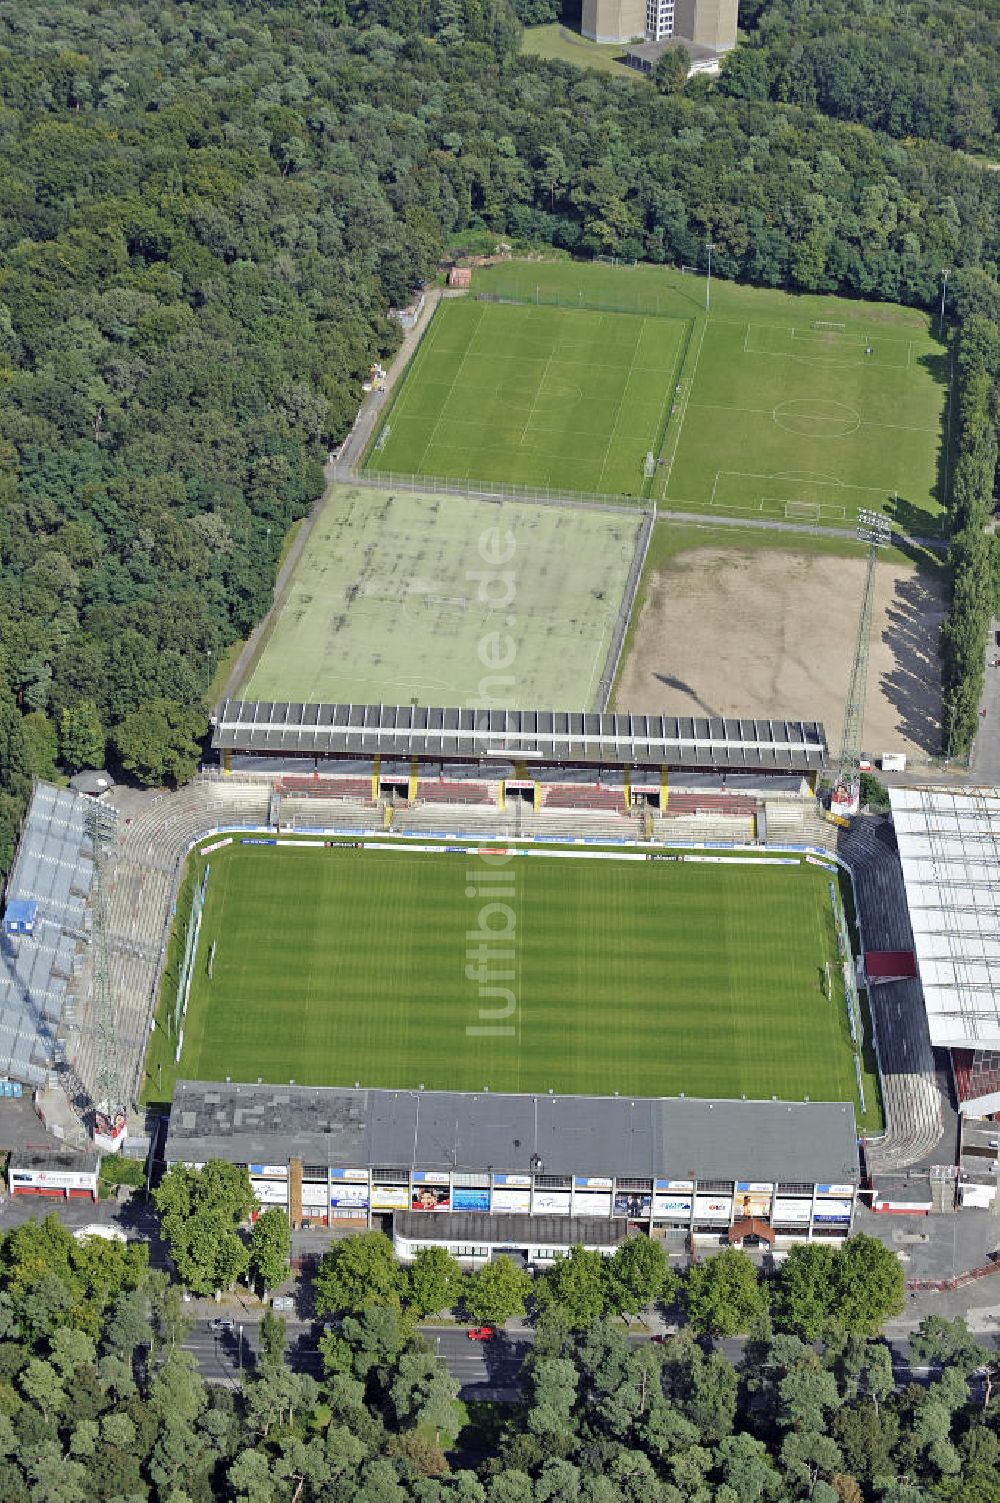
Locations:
column 583, row 796
column 454, row 793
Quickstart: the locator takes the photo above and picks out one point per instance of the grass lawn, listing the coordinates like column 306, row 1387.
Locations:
column 400, row 596
column 559, row 43
column 564, row 397
column 336, row 965
column 798, row 406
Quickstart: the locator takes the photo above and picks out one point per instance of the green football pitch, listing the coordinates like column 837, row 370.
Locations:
column 336, row 965
column 569, row 398
column 796, row 407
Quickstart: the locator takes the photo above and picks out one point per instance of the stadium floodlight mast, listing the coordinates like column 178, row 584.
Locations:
column 875, row 530
column 708, row 280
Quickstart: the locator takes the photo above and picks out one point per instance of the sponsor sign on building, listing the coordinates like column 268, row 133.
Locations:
column 465, row 1199
column 592, row 1203
column 551, row 1202
column 390, row 1197
column 713, row 1207
column 793, row 1212
column 834, row 1210
column 635, row 1206
column 671, row 1203
column 431, row 1176
column 511, row 1200
column 269, row 1171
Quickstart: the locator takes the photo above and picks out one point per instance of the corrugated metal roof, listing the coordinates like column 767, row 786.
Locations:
column 534, row 735
column 949, row 847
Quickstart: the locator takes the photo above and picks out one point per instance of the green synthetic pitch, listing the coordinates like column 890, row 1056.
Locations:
column 336, row 965
column 449, row 601
column 798, row 407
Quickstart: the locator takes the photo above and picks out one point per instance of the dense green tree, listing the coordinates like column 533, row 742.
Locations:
column 637, row 1275
column 576, row 1281
column 81, row 737
column 201, row 1212
column 358, row 1272
column 270, row 1248
column 158, row 742
column 434, row 1281
column 868, row 1285
column 723, row 1294
column 497, row 1292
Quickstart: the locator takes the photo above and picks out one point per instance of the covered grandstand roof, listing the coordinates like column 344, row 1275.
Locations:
column 949, row 847
column 318, row 730
column 53, row 871
column 673, row 1136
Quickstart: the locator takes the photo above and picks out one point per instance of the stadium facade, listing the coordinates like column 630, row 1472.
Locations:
column 683, row 1170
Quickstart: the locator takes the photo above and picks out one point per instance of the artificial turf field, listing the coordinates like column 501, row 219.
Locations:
column 341, row 965
column 400, row 595
column 800, row 407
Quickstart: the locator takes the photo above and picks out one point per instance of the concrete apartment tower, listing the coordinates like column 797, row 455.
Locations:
column 614, row 20
column 706, row 23
column 709, row 23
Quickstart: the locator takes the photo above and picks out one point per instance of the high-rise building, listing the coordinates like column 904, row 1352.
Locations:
column 706, row 23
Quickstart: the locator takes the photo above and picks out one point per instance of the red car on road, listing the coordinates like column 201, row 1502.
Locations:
column 481, row 1333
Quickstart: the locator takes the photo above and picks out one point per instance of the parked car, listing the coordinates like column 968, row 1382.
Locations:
column 221, row 1327
column 481, row 1333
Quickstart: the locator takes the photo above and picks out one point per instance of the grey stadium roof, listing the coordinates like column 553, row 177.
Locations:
column 54, row 867
column 674, row 1137
column 318, row 730
column 535, row 1231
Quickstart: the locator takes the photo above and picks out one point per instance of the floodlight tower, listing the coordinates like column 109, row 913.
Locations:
column 875, row 530
column 109, row 1112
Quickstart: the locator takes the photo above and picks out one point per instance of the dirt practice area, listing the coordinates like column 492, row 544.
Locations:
column 771, row 633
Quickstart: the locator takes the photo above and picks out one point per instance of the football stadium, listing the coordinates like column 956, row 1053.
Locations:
column 562, row 973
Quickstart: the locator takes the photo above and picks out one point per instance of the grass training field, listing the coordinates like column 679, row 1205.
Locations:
column 803, row 407
column 400, row 595
column 565, row 397
column 338, row 965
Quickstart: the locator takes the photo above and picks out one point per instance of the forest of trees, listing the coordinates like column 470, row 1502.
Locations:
column 924, row 68
column 100, row 1400
column 207, row 213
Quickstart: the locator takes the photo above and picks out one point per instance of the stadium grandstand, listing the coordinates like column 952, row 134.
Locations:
column 683, row 1169
column 46, row 929
column 620, row 760
column 949, row 848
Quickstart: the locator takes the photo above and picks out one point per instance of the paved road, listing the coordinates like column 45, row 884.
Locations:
column 985, row 766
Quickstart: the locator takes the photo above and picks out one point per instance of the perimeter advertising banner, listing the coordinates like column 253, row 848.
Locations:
column 390, row 1197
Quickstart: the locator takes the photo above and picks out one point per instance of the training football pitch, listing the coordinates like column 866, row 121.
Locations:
column 798, row 407
column 569, row 398
column 336, row 965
